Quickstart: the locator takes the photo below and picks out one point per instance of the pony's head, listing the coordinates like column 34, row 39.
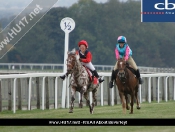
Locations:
column 121, row 68
column 71, row 60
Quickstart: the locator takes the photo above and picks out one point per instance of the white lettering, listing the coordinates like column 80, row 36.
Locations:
column 159, row 6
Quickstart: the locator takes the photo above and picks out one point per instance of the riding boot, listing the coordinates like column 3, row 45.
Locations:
column 97, row 76
column 138, row 76
column 112, row 79
column 63, row 76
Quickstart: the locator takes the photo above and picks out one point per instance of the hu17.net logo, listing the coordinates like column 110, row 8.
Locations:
column 157, row 10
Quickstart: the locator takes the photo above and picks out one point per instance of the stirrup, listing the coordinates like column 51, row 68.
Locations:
column 140, row 81
column 111, row 84
column 100, row 80
column 62, row 77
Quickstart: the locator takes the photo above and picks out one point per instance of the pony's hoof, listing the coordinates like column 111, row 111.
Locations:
column 70, row 111
column 138, row 107
column 80, row 106
column 128, row 108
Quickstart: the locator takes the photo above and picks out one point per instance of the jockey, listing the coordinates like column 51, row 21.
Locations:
column 123, row 50
column 85, row 58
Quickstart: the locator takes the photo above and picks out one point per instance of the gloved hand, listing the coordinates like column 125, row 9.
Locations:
column 80, row 60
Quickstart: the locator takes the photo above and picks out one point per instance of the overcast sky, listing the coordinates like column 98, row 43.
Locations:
column 21, row 4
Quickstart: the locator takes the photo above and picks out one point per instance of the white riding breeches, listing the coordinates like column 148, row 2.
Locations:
column 89, row 65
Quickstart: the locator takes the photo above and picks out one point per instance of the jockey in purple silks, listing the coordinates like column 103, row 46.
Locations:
column 123, row 50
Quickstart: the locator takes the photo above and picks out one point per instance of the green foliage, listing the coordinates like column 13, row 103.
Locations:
column 100, row 24
column 148, row 110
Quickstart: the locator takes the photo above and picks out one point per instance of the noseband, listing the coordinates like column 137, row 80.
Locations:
column 122, row 71
column 71, row 63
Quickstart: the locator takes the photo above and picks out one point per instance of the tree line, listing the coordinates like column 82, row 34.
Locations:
column 99, row 24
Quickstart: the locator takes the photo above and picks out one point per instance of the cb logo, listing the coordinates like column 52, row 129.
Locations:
column 164, row 6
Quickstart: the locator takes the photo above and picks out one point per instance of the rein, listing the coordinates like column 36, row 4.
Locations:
column 123, row 79
column 76, row 67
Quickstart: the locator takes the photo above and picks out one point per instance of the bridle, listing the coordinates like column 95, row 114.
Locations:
column 122, row 72
column 70, row 62
column 73, row 64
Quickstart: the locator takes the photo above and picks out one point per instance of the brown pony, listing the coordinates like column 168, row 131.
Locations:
column 127, row 83
column 81, row 81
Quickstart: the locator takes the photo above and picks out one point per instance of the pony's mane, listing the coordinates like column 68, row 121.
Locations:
column 73, row 51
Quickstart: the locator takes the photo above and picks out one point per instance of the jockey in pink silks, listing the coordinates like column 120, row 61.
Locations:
column 123, row 50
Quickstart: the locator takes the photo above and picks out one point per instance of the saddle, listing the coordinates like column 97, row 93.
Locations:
column 130, row 68
column 91, row 76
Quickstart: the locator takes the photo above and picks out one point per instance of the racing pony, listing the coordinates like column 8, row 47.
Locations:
column 127, row 84
column 81, row 81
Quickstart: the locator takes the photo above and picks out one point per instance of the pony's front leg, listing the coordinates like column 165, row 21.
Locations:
column 72, row 99
column 126, row 98
column 132, row 102
column 81, row 101
column 83, row 90
column 136, row 97
column 122, row 96
column 86, row 96
column 94, row 96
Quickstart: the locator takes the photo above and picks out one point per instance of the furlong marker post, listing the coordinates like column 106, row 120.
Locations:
column 67, row 25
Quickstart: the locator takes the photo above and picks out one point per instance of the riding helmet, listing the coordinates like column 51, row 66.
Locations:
column 83, row 42
column 121, row 39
